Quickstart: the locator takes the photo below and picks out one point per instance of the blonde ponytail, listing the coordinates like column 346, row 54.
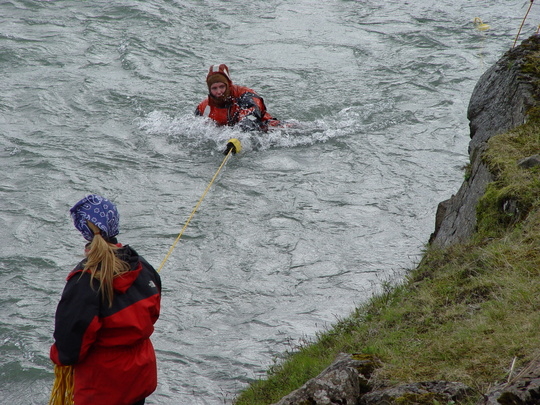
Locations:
column 103, row 264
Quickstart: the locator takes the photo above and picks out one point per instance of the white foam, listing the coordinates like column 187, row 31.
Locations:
column 199, row 132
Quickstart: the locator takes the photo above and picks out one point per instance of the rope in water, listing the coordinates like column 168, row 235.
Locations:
column 231, row 150
column 63, row 387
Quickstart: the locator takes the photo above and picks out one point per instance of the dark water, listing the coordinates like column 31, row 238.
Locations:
column 98, row 97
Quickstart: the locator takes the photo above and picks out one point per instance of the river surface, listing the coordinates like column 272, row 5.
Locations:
column 299, row 228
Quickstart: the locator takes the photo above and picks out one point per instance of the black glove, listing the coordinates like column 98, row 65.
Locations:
column 230, row 146
column 250, row 123
column 233, row 146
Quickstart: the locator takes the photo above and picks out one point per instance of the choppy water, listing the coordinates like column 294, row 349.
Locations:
column 297, row 230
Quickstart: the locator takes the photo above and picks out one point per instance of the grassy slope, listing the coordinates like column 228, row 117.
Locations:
column 466, row 313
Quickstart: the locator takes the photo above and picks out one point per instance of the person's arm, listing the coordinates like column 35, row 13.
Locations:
column 251, row 112
column 76, row 321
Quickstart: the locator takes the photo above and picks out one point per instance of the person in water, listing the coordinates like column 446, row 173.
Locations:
column 230, row 104
column 107, row 313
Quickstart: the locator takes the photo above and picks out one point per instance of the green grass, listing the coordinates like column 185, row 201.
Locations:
column 466, row 313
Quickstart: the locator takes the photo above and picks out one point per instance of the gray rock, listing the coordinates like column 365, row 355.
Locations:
column 342, row 382
column 347, row 382
column 529, row 162
column 442, row 392
column 499, row 103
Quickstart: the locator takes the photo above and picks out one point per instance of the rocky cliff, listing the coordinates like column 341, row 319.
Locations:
column 499, row 102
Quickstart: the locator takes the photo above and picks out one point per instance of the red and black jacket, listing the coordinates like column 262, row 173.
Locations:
column 109, row 347
column 244, row 108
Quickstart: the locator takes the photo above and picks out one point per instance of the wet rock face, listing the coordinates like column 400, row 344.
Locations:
column 499, row 102
column 500, row 99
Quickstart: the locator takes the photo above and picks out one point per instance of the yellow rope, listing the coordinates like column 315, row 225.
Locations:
column 523, row 22
column 193, row 212
column 62, row 392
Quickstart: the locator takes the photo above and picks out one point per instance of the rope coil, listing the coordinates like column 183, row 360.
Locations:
column 63, row 388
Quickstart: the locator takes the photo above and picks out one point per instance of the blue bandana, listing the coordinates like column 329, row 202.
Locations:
column 99, row 211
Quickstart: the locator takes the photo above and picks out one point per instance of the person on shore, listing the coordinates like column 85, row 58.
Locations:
column 107, row 313
column 228, row 104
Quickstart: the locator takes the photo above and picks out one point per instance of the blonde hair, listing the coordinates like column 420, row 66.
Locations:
column 103, row 264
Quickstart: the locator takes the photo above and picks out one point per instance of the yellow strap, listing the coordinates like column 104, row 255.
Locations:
column 195, row 209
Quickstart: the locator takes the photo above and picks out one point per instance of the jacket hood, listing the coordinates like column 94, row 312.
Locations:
column 218, row 73
column 123, row 282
